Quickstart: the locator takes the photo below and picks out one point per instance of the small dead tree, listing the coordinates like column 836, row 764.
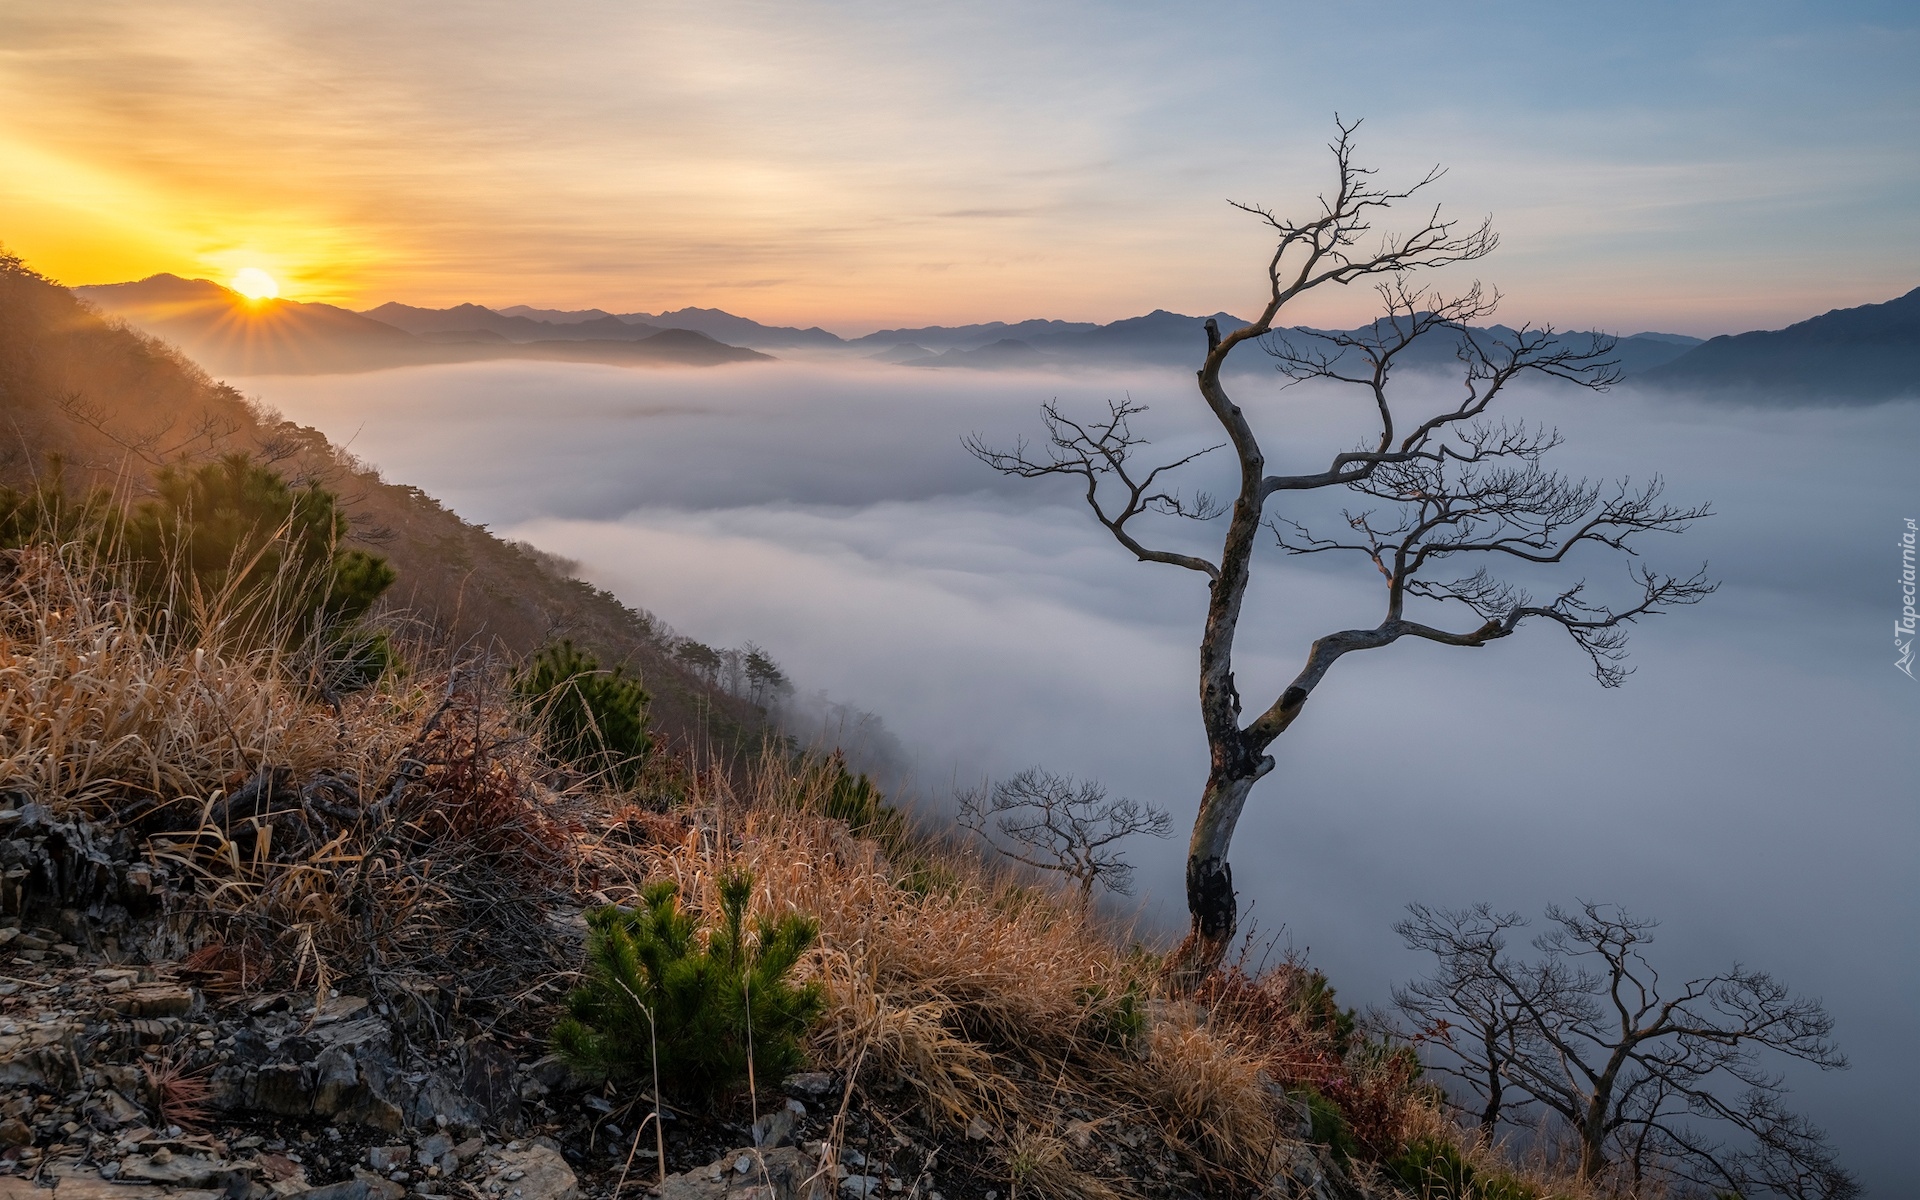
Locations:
column 1448, row 486
column 1054, row 823
column 1474, row 1025
column 1648, row 1076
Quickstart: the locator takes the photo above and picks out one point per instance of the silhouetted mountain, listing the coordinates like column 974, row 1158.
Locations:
column 902, row 352
column 740, row 331
column 1440, row 350
column 1678, row 339
column 1005, row 354
column 517, row 328
column 969, row 337
column 554, row 316
column 521, row 323
column 1158, row 337
column 456, row 336
column 1174, row 339
column 1856, row 355
column 684, row 347
column 234, row 335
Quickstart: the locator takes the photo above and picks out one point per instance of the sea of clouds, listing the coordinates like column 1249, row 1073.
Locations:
column 1753, row 784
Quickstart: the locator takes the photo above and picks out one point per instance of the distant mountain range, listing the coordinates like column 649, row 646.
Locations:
column 1848, row 355
column 520, row 323
column 234, row 335
column 1855, row 355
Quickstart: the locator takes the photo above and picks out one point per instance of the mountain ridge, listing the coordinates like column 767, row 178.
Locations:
column 1851, row 355
column 234, row 335
column 1863, row 354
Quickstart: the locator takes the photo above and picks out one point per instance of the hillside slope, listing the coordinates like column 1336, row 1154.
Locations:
column 1862, row 355
column 115, row 404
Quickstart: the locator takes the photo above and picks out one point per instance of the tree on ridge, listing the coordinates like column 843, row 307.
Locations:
column 1446, row 486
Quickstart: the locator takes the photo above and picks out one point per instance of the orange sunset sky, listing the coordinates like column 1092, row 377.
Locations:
column 856, row 165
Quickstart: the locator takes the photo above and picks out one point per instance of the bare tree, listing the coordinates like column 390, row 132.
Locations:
column 1475, row 1024
column 1447, row 485
column 1053, row 823
column 1648, row 1076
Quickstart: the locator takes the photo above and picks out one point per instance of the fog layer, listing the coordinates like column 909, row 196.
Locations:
column 1752, row 784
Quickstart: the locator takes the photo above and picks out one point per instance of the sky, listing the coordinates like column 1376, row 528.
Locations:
column 1697, row 168
column 1751, row 785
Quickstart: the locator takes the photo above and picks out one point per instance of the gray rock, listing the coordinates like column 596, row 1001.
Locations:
column 176, row 1171
column 862, row 1187
column 537, row 1173
column 783, row 1174
column 491, row 1080
column 350, row 1189
column 809, row 1085
column 773, row 1129
column 387, row 1158
column 549, row 1074
column 378, row 1187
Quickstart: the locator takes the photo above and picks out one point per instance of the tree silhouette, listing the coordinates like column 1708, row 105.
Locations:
column 1439, row 490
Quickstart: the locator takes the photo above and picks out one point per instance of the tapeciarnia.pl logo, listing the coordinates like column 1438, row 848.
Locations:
column 1903, row 629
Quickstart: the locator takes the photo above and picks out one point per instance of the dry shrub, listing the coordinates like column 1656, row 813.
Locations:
column 96, row 715
column 1038, row 1165
column 1287, row 1020
column 435, row 854
column 182, row 1095
column 327, row 838
column 1209, row 1095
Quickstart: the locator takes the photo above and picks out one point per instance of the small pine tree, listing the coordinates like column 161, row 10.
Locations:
column 854, row 799
column 233, row 528
column 591, row 717
column 228, row 548
column 48, row 514
column 658, row 1005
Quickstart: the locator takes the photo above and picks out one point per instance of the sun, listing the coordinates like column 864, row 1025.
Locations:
column 255, row 284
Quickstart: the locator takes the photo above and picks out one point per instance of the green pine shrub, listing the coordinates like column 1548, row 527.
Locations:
column 657, row 1001
column 1115, row 1019
column 46, row 513
column 232, row 537
column 1433, row 1169
column 845, row 796
column 1329, row 1125
column 227, row 549
column 591, row 717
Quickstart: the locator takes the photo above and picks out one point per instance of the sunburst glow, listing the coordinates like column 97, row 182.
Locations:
column 255, row 284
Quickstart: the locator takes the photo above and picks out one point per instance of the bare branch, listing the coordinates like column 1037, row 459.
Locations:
column 1637, row 1069
column 1098, row 453
column 1053, row 823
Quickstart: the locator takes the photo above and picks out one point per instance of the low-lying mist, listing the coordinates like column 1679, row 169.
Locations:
column 1752, row 784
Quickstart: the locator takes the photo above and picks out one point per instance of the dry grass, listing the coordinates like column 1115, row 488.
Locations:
column 416, row 829
column 181, row 1095
column 325, row 838
column 987, row 1005
column 96, row 715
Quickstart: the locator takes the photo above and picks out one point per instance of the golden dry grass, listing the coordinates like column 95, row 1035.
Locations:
column 418, row 823
column 95, row 713
column 321, row 835
column 992, row 1004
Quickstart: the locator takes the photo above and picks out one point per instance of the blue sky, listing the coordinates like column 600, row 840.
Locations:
column 1700, row 168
